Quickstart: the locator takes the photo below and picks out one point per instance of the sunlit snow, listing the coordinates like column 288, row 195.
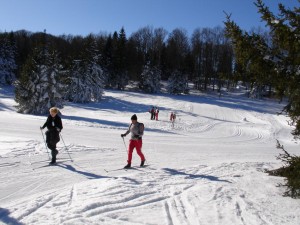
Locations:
column 206, row 169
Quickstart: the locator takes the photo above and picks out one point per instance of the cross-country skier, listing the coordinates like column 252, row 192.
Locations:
column 152, row 111
column 137, row 131
column 172, row 118
column 156, row 113
column 54, row 126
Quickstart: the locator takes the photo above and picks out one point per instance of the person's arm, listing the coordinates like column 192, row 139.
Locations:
column 59, row 124
column 127, row 132
column 45, row 124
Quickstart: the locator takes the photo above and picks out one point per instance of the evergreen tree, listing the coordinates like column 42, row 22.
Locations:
column 7, row 60
column 40, row 86
column 108, row 60
column 121, row 60
column 290, row 170
column 150, row 79
column 76, row 86
column 87, row 78
column 285, row 55
column 282, row 59
column 178, row 83
column 115, row 60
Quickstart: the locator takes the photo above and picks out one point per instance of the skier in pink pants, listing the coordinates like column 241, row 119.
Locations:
column 137, row 131
column 156, row 113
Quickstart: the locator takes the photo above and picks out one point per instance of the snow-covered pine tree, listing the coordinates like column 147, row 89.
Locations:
column 40, row 86
column 76, row 86
column 55, row 83
column 87, row 78
column 150, row 79
column 8, row 64
column 96, row 80
column 178, row 83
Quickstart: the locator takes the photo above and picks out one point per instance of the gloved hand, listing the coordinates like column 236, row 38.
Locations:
column 123, row 135
column 57, row 129
column 41, row 128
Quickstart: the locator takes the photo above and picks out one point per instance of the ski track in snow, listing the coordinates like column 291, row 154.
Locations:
column 176, row 195
column 190, row 186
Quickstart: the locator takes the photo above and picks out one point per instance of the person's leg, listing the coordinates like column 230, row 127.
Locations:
column 54, row 152
column 130, row 150
column 139, row 149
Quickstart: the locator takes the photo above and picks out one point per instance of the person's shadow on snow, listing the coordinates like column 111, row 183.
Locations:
column 6, row 219
column 85, row 173
column 194, row 176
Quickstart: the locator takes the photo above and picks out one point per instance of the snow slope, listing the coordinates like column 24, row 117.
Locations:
column 207, row 169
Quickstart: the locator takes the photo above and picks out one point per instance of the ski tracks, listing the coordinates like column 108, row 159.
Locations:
column 230, row 126
column 222, row 194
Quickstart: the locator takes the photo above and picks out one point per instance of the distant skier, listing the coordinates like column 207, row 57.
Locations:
column 54, row 126
column 156, row 113
column 137, row 131
column 172, row 118
column 152, row 111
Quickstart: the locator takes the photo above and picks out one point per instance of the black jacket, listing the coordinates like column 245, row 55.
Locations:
column 53, row 123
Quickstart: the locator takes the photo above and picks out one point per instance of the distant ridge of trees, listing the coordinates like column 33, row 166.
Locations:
column 205, row 58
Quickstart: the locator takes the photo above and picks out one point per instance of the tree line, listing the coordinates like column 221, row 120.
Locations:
column 204, row 58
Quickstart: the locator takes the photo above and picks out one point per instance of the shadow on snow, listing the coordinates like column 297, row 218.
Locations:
column 6, row 219
column 194, row 176
column 89, row 175
column 108, row 123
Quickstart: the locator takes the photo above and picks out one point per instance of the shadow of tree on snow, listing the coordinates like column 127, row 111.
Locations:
column 194, row 176
column 6, row 219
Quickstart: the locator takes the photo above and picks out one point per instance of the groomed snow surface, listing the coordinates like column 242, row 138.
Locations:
column 207, row 169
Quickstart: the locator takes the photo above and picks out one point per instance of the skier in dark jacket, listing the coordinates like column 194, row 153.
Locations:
column 54, row 126
column 137, row 131
column 152, row 113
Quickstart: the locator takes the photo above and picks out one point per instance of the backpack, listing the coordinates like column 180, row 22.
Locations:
column 141, row 128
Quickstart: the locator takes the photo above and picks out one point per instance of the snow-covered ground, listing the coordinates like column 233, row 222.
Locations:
column 207, row 169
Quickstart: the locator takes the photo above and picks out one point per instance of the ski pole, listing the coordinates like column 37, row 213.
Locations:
column 65, row 147
column 125, row 145
column 45, row 144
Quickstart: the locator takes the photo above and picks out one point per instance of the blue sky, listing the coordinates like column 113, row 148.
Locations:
column 81, row 17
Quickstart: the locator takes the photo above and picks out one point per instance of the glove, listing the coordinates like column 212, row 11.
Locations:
column 57, row 129
column 123, row 135
column 41, row 128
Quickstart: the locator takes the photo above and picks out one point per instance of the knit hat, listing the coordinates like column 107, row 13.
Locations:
column 134, row 117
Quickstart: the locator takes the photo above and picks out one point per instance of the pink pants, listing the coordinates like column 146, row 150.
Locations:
column 138, row 145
